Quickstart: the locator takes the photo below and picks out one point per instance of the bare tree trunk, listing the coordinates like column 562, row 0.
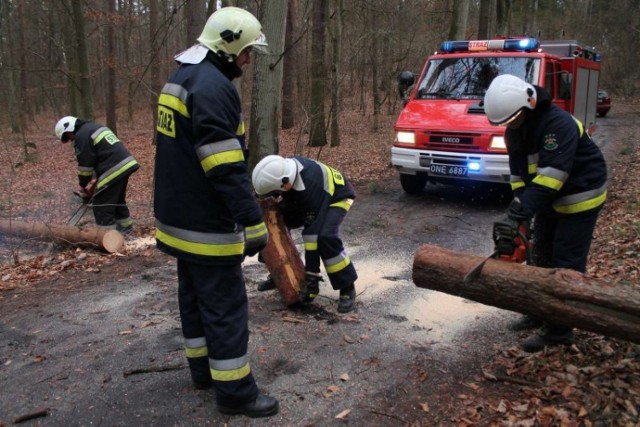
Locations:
column 291, row 67
column 336, row 43
column 503, row 16
column 154, row 43
column 318, row 132
column 196, row 16
column 460, row 14
column 484, row 19
column 86, row 97
column 267, row 84
column 562, row 296
column 112, row 85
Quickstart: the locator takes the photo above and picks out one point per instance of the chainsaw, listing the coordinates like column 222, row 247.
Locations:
column 523, row 247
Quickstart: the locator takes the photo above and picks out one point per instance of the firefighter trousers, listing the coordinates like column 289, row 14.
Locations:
column 214, row 316
column 110, row 205
column 337, row 263
column 563, row 241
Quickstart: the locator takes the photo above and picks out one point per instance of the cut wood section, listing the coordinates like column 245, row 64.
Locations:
column 562, row 296
column 280, row 255
column 110, row 241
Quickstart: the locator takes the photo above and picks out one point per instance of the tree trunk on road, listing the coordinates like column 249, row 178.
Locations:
column 280, row 255
column 106, row 239
column 562, row 296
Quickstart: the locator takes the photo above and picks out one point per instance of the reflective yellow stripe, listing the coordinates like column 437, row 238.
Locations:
column 240, row 130
column 200, row 248
column 330, row 185
column 254, row 232
column 344, row 204
column 334, row 268
column 218, row 159
column 174, row 103
column 310, row 246
column 85, row 173
column 532, row 168
column 580, row 126
column 232, row 374
column 549, row 182
column 582, row 206
column 116, row 173
column 516, row 185
column 196, row 352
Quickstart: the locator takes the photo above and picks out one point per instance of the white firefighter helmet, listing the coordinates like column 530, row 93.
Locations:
column 506, row 97
column 272, row 173
column 64, row 125
column 230, row 30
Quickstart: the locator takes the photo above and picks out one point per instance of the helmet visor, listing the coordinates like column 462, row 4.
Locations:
column 515, row 116
column 260, row 44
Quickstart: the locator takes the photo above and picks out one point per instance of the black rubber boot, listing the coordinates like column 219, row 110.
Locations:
column 550, row 335
column 347, row 299
column 525, row 323
column 266, row 285
column 311, row 287
column 263, row 406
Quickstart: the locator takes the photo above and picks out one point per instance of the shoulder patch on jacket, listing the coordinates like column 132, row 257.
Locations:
column 550, row 142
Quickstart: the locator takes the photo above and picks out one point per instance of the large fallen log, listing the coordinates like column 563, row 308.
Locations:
column 108, row 240
column 280, row 255
column 562, row 296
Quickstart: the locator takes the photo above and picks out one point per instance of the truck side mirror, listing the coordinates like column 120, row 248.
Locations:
column 406, row 79
column 564, row 91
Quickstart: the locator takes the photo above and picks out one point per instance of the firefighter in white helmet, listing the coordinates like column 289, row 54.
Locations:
column 104, row 167
column 206, row 213
column 317, row 198
column 558, row 178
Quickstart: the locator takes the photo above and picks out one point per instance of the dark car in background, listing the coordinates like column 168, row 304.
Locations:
column 604, row 103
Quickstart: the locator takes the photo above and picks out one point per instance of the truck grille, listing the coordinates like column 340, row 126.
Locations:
column 447, row 140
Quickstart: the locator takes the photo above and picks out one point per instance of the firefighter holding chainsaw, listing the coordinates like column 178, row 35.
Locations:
column 316, row 197
column 206, row 213
column 558, row 179
column 104, row 167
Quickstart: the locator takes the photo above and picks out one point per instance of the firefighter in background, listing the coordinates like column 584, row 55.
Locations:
column 559, row 180
column 104, row 167
column 206, row 213
column 316, row 197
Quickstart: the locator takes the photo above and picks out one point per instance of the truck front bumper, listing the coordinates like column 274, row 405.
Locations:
column 449, row 164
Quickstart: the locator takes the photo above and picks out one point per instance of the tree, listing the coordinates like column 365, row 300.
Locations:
column 291, row 66
column 267, row 84
column 318, row 131
column 112, row 85
column 460, row 9
column 85, row 101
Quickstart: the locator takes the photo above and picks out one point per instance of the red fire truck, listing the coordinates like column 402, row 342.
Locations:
column 442, row 133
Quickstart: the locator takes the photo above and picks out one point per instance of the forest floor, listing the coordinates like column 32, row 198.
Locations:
column 94, row 339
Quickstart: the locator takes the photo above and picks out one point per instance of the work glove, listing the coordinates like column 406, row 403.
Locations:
column 505, row 232
column 255, row 238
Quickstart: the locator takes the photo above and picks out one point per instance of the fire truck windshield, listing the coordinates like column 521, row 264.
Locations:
column 468, row 77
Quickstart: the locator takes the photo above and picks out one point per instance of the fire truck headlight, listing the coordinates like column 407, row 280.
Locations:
column 406, row 137
column 473, row 166
column 497, row 143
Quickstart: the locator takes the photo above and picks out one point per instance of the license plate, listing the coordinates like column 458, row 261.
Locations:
column 448, row 170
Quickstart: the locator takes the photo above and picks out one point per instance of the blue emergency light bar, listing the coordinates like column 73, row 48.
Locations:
column 524, row 45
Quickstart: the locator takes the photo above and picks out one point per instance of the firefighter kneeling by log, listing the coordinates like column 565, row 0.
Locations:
column 316, row 197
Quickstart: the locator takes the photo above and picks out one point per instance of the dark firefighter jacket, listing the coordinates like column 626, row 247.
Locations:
column 99, row 152
column 324, row 187
column 554, row 163
column 202, row 189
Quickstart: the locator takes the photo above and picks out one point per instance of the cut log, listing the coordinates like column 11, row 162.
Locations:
column 108, row 240
column 562, row 296
column 280, row 255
